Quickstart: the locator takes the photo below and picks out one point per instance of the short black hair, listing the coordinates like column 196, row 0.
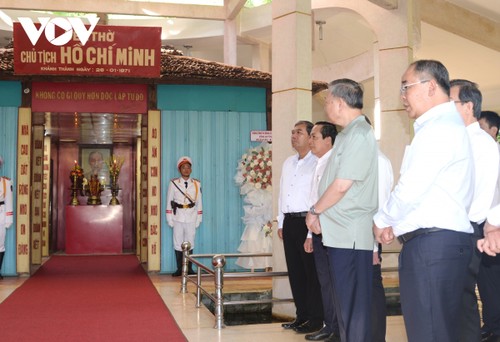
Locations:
column 309, row 125
column 469, row 92
column 435, row 70
column 491, row 118
column 328, row 130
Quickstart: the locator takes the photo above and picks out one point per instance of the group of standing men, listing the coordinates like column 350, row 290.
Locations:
column 437, row 211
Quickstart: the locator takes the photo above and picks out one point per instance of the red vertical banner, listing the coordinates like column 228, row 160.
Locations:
column 45, row 197
column 37, row 191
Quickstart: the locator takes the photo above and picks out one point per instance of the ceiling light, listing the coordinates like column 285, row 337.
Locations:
column 320, row 23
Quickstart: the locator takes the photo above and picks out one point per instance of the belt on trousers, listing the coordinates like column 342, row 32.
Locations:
column 182, row 206
column 2, row 202
column 408, row 236
column 295, row 215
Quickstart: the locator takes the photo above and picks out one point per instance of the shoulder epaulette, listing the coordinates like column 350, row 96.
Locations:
column 196, row 180
column 7, row 178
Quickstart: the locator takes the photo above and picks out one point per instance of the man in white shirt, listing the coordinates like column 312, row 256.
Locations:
column 295, row 188
column 489, row 277
column 323, row 136
column 488, row 280
column 468, row 99
column 428, row 209
column 489, row 121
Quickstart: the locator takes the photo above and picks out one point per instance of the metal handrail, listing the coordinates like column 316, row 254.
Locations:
column 219, row 261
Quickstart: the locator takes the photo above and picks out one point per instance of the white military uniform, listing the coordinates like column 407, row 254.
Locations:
column 6, row 213
column 187, row 217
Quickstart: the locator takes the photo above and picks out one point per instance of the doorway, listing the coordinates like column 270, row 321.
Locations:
column 70, row 139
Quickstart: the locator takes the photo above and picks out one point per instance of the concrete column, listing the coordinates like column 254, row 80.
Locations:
column 292, row 101
column 396, row 129
column 230, row 42
column 260, row 57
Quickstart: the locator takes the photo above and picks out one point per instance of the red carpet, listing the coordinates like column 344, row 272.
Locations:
column 88, row 298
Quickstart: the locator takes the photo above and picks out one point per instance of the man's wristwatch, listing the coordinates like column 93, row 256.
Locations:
column 312, row 210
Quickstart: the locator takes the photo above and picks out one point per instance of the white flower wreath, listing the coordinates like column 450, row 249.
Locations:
column 254, row 176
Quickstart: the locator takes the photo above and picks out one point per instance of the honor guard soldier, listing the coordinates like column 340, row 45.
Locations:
column 184, row 210
column 6, row 214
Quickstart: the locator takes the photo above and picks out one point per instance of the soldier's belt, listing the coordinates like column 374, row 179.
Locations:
column 2, row 202
column 183, row 206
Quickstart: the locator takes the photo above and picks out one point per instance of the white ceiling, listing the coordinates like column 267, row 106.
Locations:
column 486, row 8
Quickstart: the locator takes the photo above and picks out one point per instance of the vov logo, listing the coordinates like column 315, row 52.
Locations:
column 68, row 25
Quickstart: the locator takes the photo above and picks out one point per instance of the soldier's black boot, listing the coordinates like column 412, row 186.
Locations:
column 190, row 268
column 178, row 260
column 1, row 259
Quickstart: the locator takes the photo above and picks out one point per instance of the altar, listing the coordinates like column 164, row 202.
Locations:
column 94, row 229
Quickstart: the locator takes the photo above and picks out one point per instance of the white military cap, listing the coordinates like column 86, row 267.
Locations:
column 183, row 160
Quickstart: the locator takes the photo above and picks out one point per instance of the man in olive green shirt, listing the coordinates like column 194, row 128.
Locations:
column 348, row 201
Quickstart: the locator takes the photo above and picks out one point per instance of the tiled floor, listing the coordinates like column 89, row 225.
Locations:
column 198, row 324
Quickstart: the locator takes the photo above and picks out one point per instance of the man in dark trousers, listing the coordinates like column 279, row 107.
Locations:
column 428, row 209
column 295, row 187
column 323, row 136
column 348, row 196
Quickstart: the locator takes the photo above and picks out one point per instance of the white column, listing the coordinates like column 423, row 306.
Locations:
column 261, row 57
column 292, row 101
column 230, row 42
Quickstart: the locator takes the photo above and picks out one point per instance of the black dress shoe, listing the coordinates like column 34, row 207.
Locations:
column 177, row 273
column 333, row 338
column 294, row 324
column 320, row 335
column 485, row 335
column 491, row 338
column 308, row 327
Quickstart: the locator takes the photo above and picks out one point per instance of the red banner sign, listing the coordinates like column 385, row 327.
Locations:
column 118, row 51
column 91, row 98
